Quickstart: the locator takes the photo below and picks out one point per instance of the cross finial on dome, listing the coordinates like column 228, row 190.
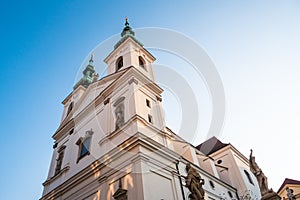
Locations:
column 89, row 74
column 126, row 21
column 91, row 59
column 127, row 30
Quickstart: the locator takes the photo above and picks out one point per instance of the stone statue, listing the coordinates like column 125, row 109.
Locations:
column 261, row 178
column 119, row 112
column 290, row 194
column 95, row 77
column 194, row 183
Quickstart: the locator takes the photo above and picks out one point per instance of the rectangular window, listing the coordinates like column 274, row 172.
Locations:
column 70, row 108
column 71, row 131
column 59, row 160
column 148, row 103
column 150, row 119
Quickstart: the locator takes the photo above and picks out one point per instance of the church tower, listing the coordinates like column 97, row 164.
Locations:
column 129, row 52
column 112, row 142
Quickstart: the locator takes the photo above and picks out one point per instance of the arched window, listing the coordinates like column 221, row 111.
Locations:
column 142, row 62
column 70, row 108
column 119, row 63
column 249, row 177
column 84, row 145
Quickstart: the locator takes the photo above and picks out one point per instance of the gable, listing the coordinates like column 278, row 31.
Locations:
column 90, row 95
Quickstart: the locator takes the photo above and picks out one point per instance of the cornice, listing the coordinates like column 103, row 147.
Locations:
column 65, row 169
column 122, row 45
column 80, row 87
column 230, row 147
column 134, row 118
column 129, row 73
column 136, row 140
column 63, row 129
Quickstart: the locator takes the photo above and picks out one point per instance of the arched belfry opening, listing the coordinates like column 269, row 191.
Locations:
column 119, row 63
column 142, row 62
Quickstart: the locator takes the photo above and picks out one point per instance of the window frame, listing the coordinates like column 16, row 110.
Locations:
column 148, row 103
column 59, row 160
column 117, row 63
column 150, row 119
column 212, row 184
column 142, row 60
column 81, row 145
column 249, row 177
column 70, row 108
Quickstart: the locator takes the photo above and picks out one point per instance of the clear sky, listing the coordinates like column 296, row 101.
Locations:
column 255, row 46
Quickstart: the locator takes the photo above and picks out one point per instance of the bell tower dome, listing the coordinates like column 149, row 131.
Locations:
column 129, row 52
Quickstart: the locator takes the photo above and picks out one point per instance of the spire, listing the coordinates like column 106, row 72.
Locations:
column 127, row 30
column 89, row 74
column 91, row 61
column 126, row 23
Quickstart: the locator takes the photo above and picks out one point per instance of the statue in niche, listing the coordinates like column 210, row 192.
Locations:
column 194, row 183
column 290, row 194
column 261, row 178
column 119, row 114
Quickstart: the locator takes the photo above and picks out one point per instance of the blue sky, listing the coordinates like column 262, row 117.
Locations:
column 255, row 46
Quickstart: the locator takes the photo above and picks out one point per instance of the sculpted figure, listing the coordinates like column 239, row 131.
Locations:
column 290, row 193
column 261, row 178
column 194, row 182
column 119, row 112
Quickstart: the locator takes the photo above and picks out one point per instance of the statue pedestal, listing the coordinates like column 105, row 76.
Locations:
column 271, row 195
column 192, row 197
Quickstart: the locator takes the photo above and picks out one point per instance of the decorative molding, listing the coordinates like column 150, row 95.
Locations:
column 106, row 101
column 102, row 179
column 64, row 129
column 136, row 117
column 103, row 140
column 89, row 133
column 79, row 141
column 140, row 157
column 120, row 194
column 133, row 80
column 121, row 99
column 71, row 131
column 159, row 98
column 101, row 163
column 73, row 181
column 61, row 148
column 124, row 75
column 63, row 170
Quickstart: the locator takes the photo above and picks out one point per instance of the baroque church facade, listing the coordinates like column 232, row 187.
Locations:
column 113, row 142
